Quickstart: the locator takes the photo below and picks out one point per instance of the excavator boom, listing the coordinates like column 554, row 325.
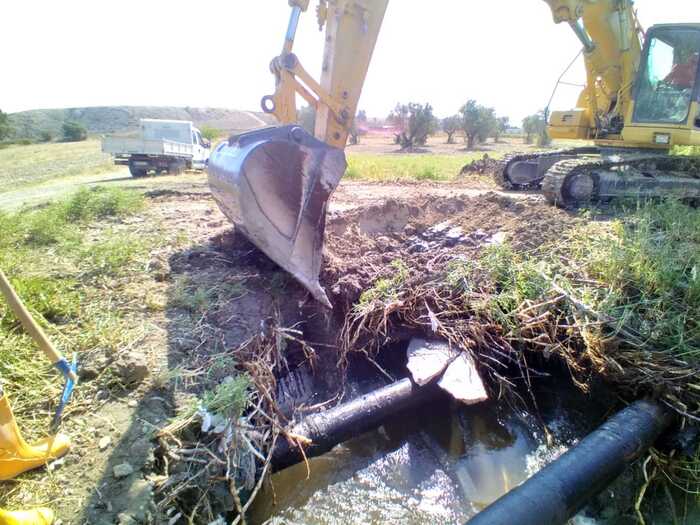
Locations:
column 274, row 184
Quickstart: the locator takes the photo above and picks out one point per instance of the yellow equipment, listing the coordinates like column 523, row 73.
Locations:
column 27, row 517
column 639, row 102
column 275, row 183
column 16, row 455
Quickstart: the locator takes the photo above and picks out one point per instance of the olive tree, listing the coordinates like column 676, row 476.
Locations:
column 451, row 125
column 357, row 126
column 478, row 122
column 536, row 126
column 415, row 122
column 502, row 125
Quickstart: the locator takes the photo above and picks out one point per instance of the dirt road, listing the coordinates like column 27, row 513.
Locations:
column 349, row 195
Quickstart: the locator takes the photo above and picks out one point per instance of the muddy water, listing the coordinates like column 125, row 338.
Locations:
column 442, row 464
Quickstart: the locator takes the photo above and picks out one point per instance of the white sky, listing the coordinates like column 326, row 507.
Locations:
column 506, row 54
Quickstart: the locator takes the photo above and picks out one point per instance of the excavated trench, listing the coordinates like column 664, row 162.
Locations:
column 440, row 461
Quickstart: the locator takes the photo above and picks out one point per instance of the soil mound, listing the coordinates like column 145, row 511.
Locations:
column 362, row 245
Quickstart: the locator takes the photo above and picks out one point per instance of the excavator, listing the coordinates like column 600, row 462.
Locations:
column 640, row 100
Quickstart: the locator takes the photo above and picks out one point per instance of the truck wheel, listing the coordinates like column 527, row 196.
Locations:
column 176, row 168
column 137, row 172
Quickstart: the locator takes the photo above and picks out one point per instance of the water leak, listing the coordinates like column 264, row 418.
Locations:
column 441, row 464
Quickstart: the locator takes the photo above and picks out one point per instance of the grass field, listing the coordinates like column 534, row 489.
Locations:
column 407, row 167
column 61, row 258
column 36, row 163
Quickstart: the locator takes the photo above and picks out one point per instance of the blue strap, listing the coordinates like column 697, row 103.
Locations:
column 63, row 366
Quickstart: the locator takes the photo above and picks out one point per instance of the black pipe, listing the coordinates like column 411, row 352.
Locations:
column 328, row 429
column 561, row 489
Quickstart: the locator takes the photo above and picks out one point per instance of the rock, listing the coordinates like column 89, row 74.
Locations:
column 126, row 519
column 132, row 403
column 122, row 471
column 87, row 373
column 104, row 442
column 428, row 359
column 132, row 368
column 462, row 381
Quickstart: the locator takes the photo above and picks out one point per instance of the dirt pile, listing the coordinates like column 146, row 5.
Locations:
column 428, row 233
column 483, row 166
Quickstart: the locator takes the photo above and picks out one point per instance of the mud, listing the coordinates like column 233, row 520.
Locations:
column 484, row 166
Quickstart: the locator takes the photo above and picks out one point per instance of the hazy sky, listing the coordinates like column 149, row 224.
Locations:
column 507, row 54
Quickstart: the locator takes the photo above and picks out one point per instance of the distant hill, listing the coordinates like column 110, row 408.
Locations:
column 111, row 119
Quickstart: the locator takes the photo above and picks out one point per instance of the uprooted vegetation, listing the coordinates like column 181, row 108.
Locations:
column 517, row 284
column 616, row 300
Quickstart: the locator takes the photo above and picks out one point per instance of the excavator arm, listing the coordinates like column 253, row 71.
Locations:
column 611, row 38
column 352, row 28
column 274, row 184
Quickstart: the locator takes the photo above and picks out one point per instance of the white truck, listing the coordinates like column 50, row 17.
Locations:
column 160, row 145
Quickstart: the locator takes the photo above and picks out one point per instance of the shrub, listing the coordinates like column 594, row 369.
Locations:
column 211, row 133
column 74, row 132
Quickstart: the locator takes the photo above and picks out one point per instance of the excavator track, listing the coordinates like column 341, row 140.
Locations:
column 573, row 182
column 504, row 178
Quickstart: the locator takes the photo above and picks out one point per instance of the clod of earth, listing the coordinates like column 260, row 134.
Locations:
column 123, row 470
column 132, row 368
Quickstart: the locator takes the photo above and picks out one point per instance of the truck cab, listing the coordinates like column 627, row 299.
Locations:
column 201, row 150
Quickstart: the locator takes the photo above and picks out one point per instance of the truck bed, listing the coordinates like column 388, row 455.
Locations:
column 138, row 146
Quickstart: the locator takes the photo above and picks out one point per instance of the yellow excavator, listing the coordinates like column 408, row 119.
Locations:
column 640, row 101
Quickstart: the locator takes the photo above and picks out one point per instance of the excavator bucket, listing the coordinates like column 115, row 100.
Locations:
column 274, row 185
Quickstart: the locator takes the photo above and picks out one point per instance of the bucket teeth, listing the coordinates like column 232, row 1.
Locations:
column 274, row 184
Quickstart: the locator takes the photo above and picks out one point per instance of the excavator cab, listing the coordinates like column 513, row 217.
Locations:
column 667, row 90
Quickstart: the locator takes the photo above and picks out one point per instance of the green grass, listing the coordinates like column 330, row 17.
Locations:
column 646, row 265
column 650, row 264
column 61, row 259
column 59, row 222
column 36, row 163
column 387, row 289
column 408, row 167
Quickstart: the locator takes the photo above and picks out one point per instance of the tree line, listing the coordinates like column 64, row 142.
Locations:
column 415, row 122
column 70, row 132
